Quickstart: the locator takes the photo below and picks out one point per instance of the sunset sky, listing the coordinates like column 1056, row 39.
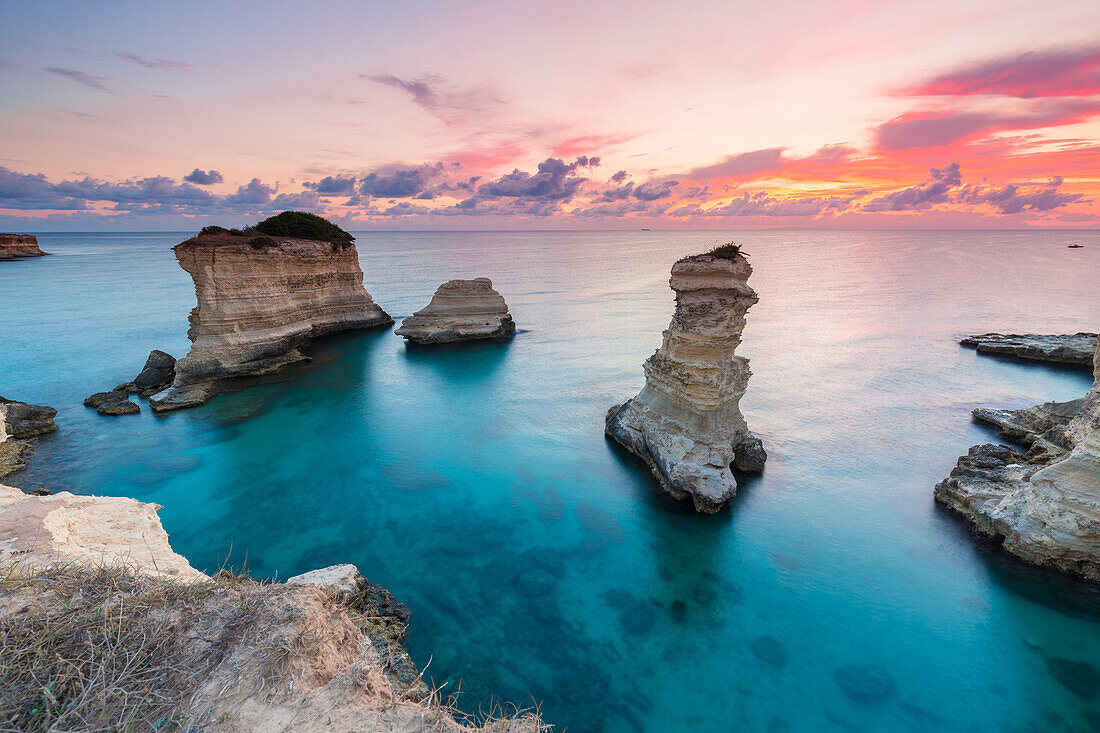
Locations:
column 548, row 115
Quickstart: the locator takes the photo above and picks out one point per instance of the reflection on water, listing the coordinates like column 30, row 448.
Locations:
column 538, row 560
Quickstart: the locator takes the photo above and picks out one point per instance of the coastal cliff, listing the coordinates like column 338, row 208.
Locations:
column 686, row 423
column 127, row 635
column 261, row 299
column 460, row 310
column 18, row 246
column 1043, row 507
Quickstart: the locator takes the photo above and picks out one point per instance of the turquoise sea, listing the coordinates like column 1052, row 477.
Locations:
column 539, row 562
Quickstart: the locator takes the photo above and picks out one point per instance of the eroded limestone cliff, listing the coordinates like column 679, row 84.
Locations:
column 460, row 310
column 128, row 635
column 1044, row 507
column 259, row 302
column 686, row 423
column 18, row 246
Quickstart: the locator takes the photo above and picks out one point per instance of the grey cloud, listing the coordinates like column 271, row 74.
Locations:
column 204, row 178
column 98, row 83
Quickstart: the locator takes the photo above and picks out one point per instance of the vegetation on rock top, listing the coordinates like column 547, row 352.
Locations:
column 726, row 251
column 303, row 225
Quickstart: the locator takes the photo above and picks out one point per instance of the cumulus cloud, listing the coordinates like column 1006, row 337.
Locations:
column 934, row 190
column 1071, row 72
column 401, row 182
column 555, row 180
column 764, row 204
column 1012, row 199
column 204, row 178
column 153, row 63
column 648, row 191
column 255, row 192
column 334, row 186
column 98, row 83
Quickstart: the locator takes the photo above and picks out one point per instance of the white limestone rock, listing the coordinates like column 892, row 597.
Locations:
column 686, row 423
column 460, row 310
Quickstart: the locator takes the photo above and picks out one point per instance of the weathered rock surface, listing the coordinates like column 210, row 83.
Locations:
column 686, row 423
column 222, row 653
column 1044, row 507
column 1074, row 348
column 460, row 310
column 157, row 375
column 115, row 402
column 18, row 246
column 37, row 531
column 258, row 306
column 20, row 425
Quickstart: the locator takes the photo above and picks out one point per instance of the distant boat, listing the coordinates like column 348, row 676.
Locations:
column 1076, row 246
column 646, row 230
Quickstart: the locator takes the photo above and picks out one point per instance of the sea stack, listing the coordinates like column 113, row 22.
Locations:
column 460, row 310
column 262, row 295
column 686, row 423
column 18, row 246
column 1043, row 506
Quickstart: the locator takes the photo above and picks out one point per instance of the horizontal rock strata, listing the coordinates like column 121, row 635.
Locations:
column 686, row 423
column 257, row 306
column 1076, row 348
column 1043, row 507
column 460, row 310
column 92, row 585
column 18, row 246
column 20, row 425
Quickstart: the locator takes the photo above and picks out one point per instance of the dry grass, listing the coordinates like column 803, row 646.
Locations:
column 106, row 649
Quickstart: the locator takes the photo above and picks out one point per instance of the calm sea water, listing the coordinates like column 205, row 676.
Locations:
column 538, row 560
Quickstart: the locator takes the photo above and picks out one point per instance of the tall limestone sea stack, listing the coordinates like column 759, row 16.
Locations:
column 686, row 423
column 262, row 295
column 1044, row 507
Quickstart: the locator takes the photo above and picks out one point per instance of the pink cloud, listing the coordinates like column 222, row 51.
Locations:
column 1061, row 73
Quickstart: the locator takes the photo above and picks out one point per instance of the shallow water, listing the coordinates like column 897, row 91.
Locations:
column 537, row 559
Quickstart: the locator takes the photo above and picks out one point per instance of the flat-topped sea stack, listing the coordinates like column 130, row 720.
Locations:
column 460, row 310
column 18, row 246
column 262, row 295
column 686, row 423
column 1042, row 506
column 1073, row 348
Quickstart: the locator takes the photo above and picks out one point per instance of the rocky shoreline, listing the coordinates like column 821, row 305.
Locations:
column 322, row 650
column 1076, row 348
column 1042, row 506
column 18, row 246
column 20, row 426
column 686, row 423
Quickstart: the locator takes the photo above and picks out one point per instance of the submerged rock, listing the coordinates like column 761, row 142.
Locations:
column 686, row 423
column 115, row 402
column 20, row 425
column 460, row 310
column 18, row 246
column 865, row 683
column 259, row 301
column 1074, row 348
column 1043, row 507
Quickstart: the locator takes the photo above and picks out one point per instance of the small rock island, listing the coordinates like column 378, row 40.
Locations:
column 460, row 310
column 20, row 426
column 18, row 246
column 263, row 293
column 1042, row 506
column 686, row 423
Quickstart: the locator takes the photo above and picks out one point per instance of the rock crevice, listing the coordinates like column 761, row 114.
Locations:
column 686, row 423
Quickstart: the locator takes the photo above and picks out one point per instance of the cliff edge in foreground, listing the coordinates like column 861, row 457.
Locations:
column 1043, row 507
column 686, row 423
column 104, row 627
column 460, row 310
column 260, row 299
column 18, row 246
